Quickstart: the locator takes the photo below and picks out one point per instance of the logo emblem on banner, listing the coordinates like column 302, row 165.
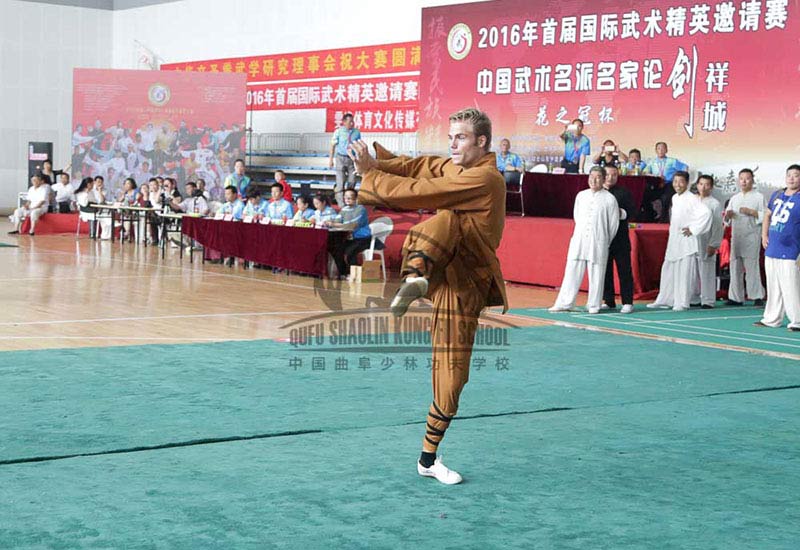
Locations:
column 459, row 41
column 158, row 94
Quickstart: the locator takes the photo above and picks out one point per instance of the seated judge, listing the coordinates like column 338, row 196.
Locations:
column 233, row 205
column 323, row 211
column 255, row 206
column 194, row 203
column 510, row 164
column 35, row 207
column 352, row 217
column 65, row 193
column 278, row 207
column 303, row 212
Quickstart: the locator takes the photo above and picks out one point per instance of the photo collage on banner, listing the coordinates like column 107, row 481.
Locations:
column 142, row 124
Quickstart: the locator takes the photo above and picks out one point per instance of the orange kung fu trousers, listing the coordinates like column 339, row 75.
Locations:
column 460, row 243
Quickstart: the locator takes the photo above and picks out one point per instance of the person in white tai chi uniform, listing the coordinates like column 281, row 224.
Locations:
column 705, row 292
column 690, row 218
column 597, row 215
column 745, row 214
column 781, row 239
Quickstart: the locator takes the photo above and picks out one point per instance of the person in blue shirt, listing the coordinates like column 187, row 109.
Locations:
column 664, row 166
column 323, row 211
column 658, row 196
column 255, row 205
column 279, row 208
column 303, row 213
column 233, row 205
column 238, row 179
column 576, row 147
column 780, row 236
column 635, row 164
column 352, row 217
column 342, row 138
column 509, row 164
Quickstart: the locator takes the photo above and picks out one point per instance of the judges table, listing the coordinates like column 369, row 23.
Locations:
column 301, row 249
column 126, row 213
column 553, row 195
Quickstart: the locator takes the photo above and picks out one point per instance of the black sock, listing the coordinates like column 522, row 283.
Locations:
column 427, row 459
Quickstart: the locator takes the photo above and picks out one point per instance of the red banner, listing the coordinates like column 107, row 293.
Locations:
column 144, row 123
column 347, row 94
column 717, row 81
column 376, row 118
column 361, row 61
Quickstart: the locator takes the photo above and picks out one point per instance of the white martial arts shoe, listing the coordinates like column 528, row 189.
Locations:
column 559, row 309
column 627, row 308
column 593, row 310
column 441, row 472
column 656, row 305
column 680, row 309
column 413, row 288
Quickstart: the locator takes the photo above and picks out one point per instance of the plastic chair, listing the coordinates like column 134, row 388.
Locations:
column 518, row 193
column 380, row 228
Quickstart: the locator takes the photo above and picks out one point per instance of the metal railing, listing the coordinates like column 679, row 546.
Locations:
column 284, row 143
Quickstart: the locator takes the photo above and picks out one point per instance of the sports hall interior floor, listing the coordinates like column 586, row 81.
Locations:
column 152, row 403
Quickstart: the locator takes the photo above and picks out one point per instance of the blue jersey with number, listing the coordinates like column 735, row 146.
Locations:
column 784, row 226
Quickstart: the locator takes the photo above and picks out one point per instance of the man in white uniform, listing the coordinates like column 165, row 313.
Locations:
column 707, row 246
column 35, row 206
column 745, row 214
column 690, row 218
column 596, row 215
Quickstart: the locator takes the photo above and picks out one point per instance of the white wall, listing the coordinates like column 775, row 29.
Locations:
column 39, row 46
column 192, row 30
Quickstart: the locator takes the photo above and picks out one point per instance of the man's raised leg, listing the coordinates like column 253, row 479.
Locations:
column 428, row 244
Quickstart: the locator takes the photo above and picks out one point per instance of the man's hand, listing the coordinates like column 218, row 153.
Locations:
column 686, row 232
column 710, row 251
column 729, row 215
column 359, row 152
column 748, row 212
column 764, row 241
column 330, row 162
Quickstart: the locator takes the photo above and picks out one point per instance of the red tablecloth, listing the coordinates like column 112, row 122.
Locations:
column 534, row 251
column 553, row 195
column 300, row 249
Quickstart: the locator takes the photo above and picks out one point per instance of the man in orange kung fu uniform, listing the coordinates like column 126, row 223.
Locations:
column 449, row 258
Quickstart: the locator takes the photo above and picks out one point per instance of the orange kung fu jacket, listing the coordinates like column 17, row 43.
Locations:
column 477, row 195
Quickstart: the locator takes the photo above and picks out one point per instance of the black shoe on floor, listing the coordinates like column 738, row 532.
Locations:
column 759, row 324
column 733, row 303
column 706, row 306
column 32, row 234
column 794, row 329
column 694, row 305
column 13, row 232
column 758, row 303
